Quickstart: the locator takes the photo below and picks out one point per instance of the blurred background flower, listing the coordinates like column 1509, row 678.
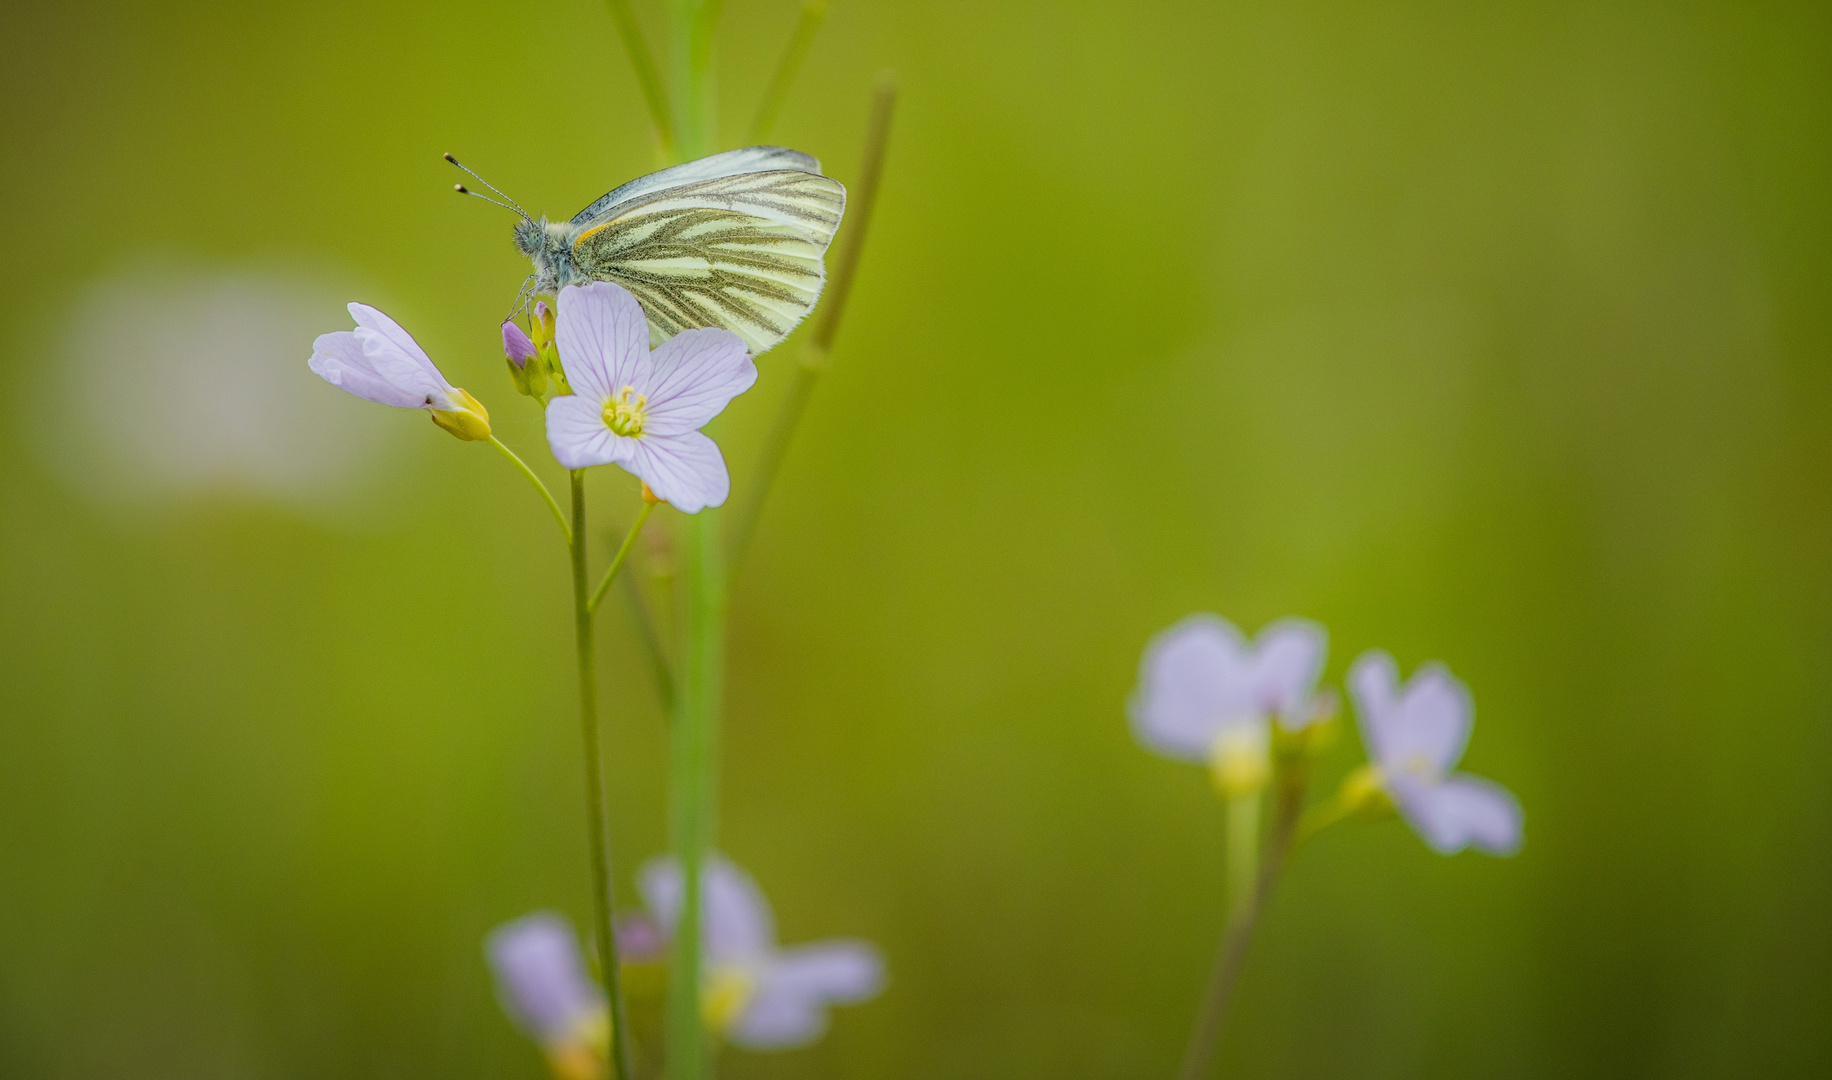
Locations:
column 760, row 996
column 167, row 381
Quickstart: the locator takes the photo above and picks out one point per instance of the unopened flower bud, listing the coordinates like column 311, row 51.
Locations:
column 541, row 326
column 465, row 417
column 516, row 345
column 526, row 368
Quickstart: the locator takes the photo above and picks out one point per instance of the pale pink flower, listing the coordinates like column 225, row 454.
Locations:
column 640, row 410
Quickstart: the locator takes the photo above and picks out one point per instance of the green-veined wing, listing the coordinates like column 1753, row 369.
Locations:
column 740, row 250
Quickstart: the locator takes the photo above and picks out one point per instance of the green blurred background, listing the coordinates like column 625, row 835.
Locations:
column 1492, row 333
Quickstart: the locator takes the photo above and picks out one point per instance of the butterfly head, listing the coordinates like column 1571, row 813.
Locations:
column 548, row 244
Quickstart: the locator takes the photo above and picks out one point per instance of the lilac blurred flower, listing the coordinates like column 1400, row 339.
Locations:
column 1416, row 735
column 380, row 362
column 639, row 410
column 1206, row 694
column 542, row 982
column 757, row 995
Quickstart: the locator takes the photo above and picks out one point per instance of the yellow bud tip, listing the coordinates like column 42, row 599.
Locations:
column 468, row 420
column 651, row 497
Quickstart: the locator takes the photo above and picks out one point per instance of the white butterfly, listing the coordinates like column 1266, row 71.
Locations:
column 734, row 240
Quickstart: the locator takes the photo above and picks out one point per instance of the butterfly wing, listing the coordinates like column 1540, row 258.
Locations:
column 731, row 163
column 740, row 251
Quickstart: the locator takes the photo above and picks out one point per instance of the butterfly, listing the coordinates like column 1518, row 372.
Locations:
column 733, row 241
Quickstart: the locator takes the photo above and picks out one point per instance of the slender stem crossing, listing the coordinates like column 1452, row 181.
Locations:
column 1232, row 956
column 813, row 11
column 693, row 770
column 629, row 541
column 604, row 929
column 647, row 76
column 813, row 360
column 546, row 496
column 638, row 610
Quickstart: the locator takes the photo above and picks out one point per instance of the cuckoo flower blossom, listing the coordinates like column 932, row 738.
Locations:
column 641, row 410
column 1206, row 693
column 380, row 362
column 542, row 982
column 1416, row 734
column 757, row 995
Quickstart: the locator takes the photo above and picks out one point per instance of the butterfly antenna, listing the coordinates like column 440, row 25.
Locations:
column 506, row 203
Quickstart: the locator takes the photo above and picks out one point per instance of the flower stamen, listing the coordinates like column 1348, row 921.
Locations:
column 623, row 414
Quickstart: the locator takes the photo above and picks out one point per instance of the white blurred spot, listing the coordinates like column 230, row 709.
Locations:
column 172, row 382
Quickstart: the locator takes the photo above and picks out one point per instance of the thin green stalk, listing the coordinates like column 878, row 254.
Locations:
column 638, row 611
column 813, row 11
column 647, row 76
column 619, row 1049
column 629, row 541
column 558, row 517
column 813, row 359
column 692, row 768
column 1243, row 850
column 1318, row 818
column 693, row 783
column 690, row 43
column 1199, row 1055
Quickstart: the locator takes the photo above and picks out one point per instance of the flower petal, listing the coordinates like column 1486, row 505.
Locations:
column 1287, row 658
column 397, row 357
column 685, row 471
column 577, row 434
column 840, row 970
column 738, row 925
column 603, row 338
column 1419, row 729
column 1193, row 682
column 789, row 1007
column 1460, row 811
column 339, row 359
column 540, row 975
column 697, row 373
column 373, row 319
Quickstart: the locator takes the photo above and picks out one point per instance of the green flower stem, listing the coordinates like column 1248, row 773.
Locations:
column 1318, row 818
column 559, row 518
column 629, row 541
column 1243, row 850
column 647, row 76
column 813, row 11
column 692, row 768
column 690, row 42
column 604, row 928
column 693, row 783
column 638, row 611
column 813, row 359
column 1213, row 1013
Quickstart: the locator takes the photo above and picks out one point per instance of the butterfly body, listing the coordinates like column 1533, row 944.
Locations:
column 733, row 241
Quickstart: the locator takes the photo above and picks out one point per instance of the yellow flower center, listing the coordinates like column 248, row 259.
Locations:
column 624, row 413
